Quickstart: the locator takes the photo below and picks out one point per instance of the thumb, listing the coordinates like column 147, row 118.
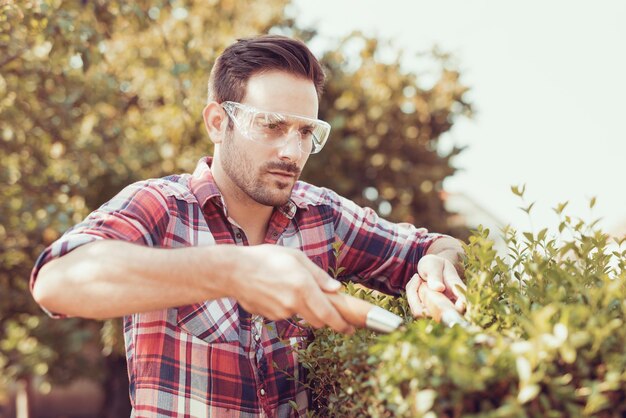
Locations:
column 435, row 283
column 430, row 268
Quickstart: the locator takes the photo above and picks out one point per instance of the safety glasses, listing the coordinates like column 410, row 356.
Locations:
column 275, row 129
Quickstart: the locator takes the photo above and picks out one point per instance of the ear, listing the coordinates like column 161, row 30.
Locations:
column 215, row 121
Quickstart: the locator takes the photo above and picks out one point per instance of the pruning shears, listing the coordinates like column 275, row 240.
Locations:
column 363, row 314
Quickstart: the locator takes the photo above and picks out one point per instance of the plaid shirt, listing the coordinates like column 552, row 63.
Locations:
column 213, row 358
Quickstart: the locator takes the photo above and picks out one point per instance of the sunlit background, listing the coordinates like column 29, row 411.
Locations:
column 548, row 83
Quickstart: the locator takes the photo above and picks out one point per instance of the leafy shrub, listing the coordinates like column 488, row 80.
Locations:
column 548, row 338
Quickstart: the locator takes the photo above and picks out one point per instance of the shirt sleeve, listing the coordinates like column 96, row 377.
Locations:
column 379, row 254
column 138, row 214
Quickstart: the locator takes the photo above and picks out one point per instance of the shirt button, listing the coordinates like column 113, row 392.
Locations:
column 257, row 337
column 262, row 391
column 238, row 235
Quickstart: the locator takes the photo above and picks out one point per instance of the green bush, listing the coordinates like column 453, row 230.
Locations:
column 548, row 338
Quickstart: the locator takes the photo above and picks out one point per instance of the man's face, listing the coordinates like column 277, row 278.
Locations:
column 268, row 174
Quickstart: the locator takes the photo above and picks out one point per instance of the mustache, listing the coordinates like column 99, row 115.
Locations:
column 283, row 166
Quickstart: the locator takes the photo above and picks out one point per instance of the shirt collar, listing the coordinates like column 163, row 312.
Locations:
column 202, row 185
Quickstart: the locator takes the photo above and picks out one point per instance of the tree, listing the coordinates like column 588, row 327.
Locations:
column 93, row 95
column 383, row 150
column 97, row 94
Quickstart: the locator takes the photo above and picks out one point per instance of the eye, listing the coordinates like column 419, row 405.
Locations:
column 306, row 131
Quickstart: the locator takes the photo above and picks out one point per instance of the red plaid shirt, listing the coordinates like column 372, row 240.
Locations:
column 213, row 358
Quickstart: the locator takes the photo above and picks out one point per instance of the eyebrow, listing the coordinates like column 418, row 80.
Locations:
column 294, row 120
column 280, row 122
column 284, row 119
column 308, row 126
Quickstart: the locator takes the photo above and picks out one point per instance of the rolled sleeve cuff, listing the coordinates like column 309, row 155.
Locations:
column 59, row 248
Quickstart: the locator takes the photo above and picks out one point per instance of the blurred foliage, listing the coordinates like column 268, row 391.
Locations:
column 547, row 338
column 96, row 94
column 386, row 125
column 93, row 95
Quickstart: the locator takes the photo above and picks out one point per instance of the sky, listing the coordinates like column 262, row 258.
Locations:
column 548, row 83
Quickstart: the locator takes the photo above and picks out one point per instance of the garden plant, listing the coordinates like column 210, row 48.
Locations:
column 547, row 337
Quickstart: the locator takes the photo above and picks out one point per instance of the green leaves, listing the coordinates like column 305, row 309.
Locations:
column 560, row 207
column 553, row 316
column 180, row 68
column 528, row 208
column 592, row 202
column 519, row 190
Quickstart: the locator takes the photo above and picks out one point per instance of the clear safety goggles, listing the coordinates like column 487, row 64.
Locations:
column 276, row 128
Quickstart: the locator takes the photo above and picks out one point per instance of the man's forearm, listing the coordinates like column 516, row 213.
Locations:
column 450, row 249
column 110, row 278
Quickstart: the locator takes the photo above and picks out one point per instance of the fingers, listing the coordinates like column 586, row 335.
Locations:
column 317, row 308
column 441, row 276
column 308, row 317
column 289, row 283
column 430, row 268
column 320, row 309
column 412, row 295
column 436, row 302
column 308, row 302
column 455, row 286
column 327, row 283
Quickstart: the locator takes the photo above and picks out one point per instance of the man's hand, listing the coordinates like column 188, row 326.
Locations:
column 437, row 271
column 278, row 282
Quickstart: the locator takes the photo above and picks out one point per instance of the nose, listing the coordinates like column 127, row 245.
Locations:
column 291, row 150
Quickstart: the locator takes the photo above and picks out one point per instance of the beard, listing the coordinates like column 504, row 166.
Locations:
column 258, row 184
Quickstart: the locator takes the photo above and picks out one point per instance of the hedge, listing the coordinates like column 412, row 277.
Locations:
column 548, row 338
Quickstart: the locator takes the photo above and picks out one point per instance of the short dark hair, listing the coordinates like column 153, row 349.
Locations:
column 250, row 56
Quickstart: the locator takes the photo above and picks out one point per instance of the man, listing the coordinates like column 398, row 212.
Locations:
column 208, row 269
